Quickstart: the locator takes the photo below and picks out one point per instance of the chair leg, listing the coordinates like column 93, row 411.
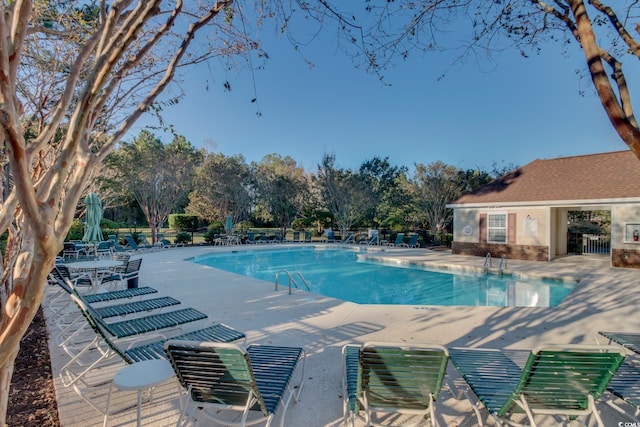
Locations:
column 106, row 412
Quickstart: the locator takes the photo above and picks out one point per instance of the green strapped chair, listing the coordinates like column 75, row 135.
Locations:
column 120, row 294
column 225, row 377
column 102, row 352
column 396, row 378
column 556, row 380
column 152, row 323
column 136, row 307
column 628, row 340
column 626, row 383
column 399, row 240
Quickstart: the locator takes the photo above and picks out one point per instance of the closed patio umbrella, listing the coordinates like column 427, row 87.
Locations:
column 229, row 225
column 92, row 232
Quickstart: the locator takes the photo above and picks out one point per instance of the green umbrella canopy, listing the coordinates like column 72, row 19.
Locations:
column 92, row 232
column 229, row 224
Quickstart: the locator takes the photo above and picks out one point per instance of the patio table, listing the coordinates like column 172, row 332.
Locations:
column 96, row 269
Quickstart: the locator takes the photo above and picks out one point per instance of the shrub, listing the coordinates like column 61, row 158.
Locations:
column 214, row 230
column 244, row 225
column 216, row 226
column 183, row 222
column 76, row 231
column 182, row 238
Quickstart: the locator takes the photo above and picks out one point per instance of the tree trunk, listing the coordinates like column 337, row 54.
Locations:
column 6, row 372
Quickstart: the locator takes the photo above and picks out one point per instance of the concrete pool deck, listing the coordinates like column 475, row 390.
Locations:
column 606, row 298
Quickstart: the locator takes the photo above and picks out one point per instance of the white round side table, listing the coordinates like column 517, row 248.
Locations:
column 138, row 377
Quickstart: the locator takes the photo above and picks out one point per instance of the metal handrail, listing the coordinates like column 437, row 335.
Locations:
column 292, row 280
column 503, row 260
column 487, row 260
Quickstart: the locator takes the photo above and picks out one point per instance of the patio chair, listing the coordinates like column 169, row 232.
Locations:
column 142, row 306
column 349, row 239
column 626, row 386
column 130, row 273
column 251, row 238
column 121, row 294
column 84, row 371
column 278, row 237
column 104, row 249
column 163, row 242
column 399, row 240
column 72, row 250
column 556, row 380
column 131, row 244
column 372, row 241
column 252, row 382
column 59, row 277
column 296, row 237
column 79, row 281
column 144, row 243
column 116, row 247
column 392, row 378
column 60, row 306
column 263, row 237
column 412, row 243
column 151, row 323
column 307, row 237
column 330, row 236
column 628, row 340
column 73, row 339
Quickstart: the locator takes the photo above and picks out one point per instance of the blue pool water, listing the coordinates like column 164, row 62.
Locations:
column 344, row 274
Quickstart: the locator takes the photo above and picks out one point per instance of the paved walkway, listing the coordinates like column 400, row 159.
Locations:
column 606, row 298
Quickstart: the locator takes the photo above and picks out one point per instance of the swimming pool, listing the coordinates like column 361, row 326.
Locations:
column 347, row 275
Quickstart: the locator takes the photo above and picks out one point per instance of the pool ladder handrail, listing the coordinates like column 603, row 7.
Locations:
column 292, row 280
column 501, row 267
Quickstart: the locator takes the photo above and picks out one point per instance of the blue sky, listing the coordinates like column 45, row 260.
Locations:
column 510, row 112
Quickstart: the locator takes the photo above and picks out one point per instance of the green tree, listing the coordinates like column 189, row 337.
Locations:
column 471, row 179
column 222, row 186
column 343, row 193
column 435, row 185
column 281, row 187
column 158, row 176
column 384, row 182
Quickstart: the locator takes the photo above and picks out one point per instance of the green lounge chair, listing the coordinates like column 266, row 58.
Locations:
column 225, row 377
column 350, row 239
column 121, row 294
column 628, row 340
column 144, row 242
column 556, row 380
column 103, row 352
column 136, row 307
column 412, row 243
column 142, row 325
column 251, row 238
column 371, row 242
column 626, row 385
column 398, row 242
column 626, row 382
column 146, row 348
column 392, row 378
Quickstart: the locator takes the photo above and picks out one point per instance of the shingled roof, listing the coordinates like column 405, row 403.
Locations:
column 591, row 177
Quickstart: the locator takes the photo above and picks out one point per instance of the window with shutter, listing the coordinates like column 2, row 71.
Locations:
column 497, row 228
column 482, row 228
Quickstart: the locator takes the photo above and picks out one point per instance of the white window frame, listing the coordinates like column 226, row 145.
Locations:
column 505, row 228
